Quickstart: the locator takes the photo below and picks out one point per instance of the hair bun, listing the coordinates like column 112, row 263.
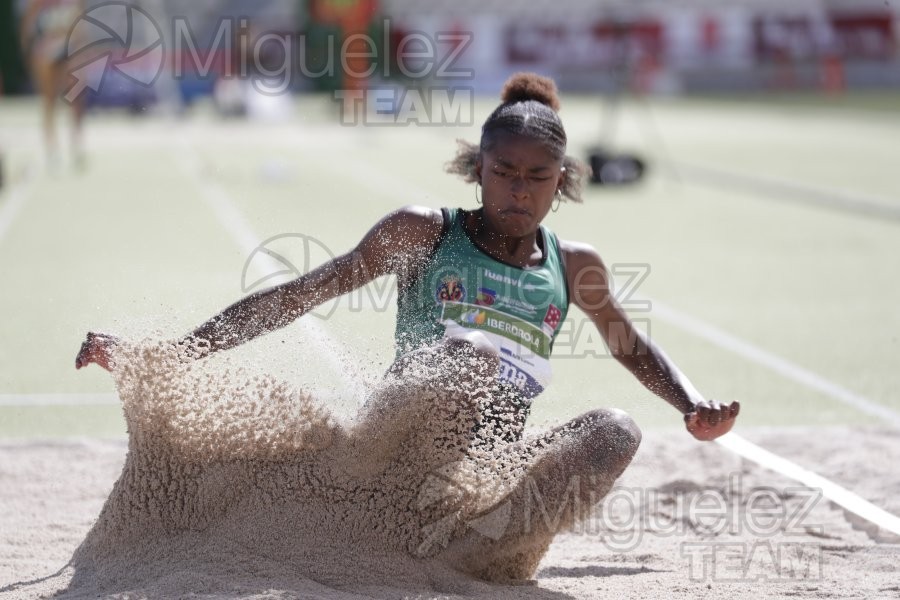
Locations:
column 530, row 86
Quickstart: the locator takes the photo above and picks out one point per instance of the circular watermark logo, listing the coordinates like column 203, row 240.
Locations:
column 113, row 36
column 285, row 257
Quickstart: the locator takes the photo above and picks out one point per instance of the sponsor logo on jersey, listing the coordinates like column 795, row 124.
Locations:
column 551, row 319
column 516, row 281
column 489, row 297
column 473, row 317
column 518, row 305
column 491, row 320
column 450, row 289
column 527, row 385
column 486, row 297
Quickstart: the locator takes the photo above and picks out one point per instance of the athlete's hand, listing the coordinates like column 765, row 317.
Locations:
column 710, row 419
column 97, row 348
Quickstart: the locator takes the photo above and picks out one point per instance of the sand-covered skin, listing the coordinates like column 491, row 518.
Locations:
column 240, row 486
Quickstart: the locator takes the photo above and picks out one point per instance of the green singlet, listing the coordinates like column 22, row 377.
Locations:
column 461, row 287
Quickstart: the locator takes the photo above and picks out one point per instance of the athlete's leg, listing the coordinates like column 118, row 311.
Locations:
column 503, row 418
column 62, row 71
column 570, row 470
column 428, row 403
column 78, row 130
column 42, row 71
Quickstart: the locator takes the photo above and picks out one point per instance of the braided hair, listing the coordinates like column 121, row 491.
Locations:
column 529, row 105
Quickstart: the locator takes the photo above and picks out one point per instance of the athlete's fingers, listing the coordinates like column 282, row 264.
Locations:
column 703, row 411
column 692, row 422
column 728, row 412
column 83, row 357
column 716, row 415
column 95, row 349
column 711, row 419
column 698, row 428
column 100, row 339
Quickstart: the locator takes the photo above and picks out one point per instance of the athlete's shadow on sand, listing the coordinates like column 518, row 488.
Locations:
column 595, row 571
column 238, row 485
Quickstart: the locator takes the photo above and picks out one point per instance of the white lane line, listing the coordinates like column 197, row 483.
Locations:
column 375, row 180
column 11, row 205
column 742, row 447
column 829, row 489
column 768, row 186
column 104, row 399
column 336, row 354
column 776, row 363
column 23, row 400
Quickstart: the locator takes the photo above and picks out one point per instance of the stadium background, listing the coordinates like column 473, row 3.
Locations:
column 765, row 223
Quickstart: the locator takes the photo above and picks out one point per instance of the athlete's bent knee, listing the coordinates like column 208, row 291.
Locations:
column 614, row 435
column 626, row 431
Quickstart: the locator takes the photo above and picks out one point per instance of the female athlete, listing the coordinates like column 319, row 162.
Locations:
column 494, row 285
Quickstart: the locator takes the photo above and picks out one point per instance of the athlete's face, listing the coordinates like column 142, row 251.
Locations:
column 519, row 179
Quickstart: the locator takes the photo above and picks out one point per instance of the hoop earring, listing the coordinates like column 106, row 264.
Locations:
column 558, row 201
column 477, row 199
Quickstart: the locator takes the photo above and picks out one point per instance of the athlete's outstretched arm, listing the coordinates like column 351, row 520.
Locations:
column 380, row 252
column 405, row 235
column 590, row 289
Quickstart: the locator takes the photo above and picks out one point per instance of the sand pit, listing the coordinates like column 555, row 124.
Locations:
column 232, row 476
column 239, row 487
